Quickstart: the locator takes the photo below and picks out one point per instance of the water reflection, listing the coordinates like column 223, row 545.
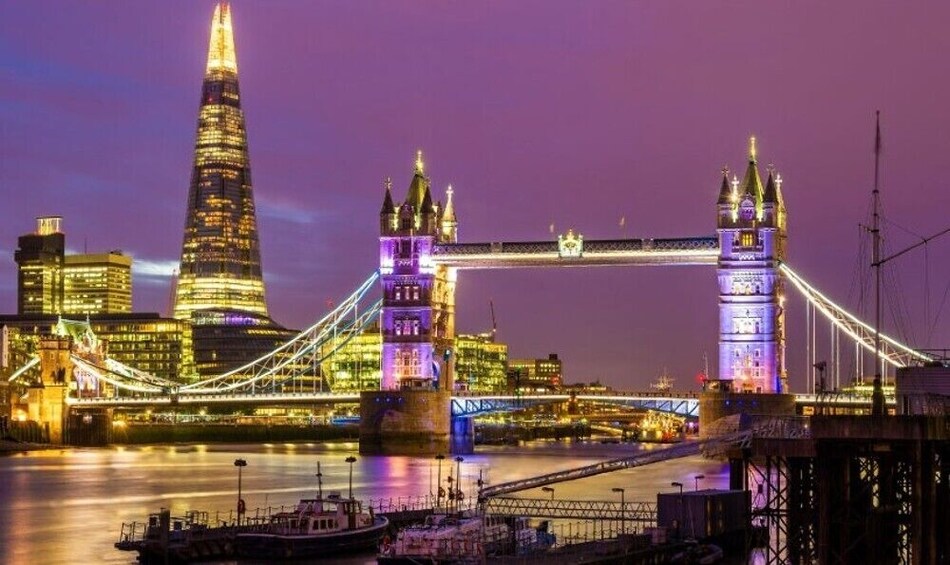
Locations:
column 66, row 506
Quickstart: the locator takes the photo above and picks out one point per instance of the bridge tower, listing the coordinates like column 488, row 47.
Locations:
column 411, row 414
column 46, row 399
column 752, row 240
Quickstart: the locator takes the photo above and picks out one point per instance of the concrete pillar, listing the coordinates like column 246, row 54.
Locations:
column 463, row 436
column 405, row 422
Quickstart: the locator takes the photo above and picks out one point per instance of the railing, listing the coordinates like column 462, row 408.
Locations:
column 573, row 509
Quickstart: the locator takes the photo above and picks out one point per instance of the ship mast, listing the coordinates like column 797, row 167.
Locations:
column 877, row 399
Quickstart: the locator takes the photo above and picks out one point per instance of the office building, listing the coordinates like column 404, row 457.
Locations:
column 97, row 283
column 481, row 363
column 40, row 258
column 220, row 256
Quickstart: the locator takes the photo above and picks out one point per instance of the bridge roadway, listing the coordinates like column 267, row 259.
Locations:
column 494, row 255
column 465, row 405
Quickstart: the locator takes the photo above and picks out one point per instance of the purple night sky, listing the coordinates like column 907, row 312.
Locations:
column 572, row 113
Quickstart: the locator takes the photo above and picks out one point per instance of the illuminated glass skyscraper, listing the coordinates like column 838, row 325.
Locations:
column 220, row 256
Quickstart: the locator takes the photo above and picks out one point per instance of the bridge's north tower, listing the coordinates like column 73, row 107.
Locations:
column 411, row 412
column 752, row 240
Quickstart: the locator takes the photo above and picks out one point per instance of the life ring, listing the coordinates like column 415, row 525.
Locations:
column 441, row 492
column 241, row 507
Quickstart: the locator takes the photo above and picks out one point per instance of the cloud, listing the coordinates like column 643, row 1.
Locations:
column 149, row 268
column 284, row 211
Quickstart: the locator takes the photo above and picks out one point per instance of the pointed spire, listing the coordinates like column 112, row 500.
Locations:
column 388, row 206
column 725, row 191
column 419, row 184
column 752, row 183
column 771, row 192
column 221, row 54
column 449, row 214
column 427, row 202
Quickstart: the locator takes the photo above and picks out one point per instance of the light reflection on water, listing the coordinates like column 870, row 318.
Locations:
column 66, row 506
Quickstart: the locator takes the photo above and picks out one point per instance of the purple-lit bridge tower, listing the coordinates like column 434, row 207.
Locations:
column 420, row 257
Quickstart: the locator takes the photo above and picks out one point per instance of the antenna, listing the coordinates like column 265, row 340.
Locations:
column 319, row 482
column 877, row 398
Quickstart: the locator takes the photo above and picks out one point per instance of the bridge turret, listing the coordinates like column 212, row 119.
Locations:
column 751, row 231
column 447, row 221
column 387, row 215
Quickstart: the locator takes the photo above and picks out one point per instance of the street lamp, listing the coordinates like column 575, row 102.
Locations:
column 458, row 482
column 550, row 490
column 351, row 460
column 623, row 523
column 240, row 464
column 696, row 478
column 676, row 484
column 438, row 493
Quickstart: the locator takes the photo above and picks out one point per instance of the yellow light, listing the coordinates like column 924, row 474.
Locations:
column 752, row 148
column 221, row 56
column 420, row 166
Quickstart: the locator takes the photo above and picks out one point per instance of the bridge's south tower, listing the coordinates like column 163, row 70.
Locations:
column 752, row 238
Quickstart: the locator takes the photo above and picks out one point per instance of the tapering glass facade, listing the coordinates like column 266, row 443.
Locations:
column 220, row 258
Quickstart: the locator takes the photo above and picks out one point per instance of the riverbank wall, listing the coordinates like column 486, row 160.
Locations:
column 229, row 433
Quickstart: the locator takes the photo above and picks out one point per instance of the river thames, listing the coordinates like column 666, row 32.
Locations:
column 67, row 506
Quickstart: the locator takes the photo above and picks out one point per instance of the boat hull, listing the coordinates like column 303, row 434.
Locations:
column 279, row 546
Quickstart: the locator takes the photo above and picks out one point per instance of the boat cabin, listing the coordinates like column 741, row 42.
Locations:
column 321, row 516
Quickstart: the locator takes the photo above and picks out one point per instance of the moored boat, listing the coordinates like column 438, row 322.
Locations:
column 462, row 538
column 318, row 527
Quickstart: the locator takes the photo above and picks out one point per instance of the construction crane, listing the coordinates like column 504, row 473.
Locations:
column 494, row 326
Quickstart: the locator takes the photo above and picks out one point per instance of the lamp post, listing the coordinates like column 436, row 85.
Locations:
column 550, row 490
column 623, row 522
column 696, row 478
column 676, row 484
column 240, row 464
column 458, row 482
column 438, row 492
column 351, row 460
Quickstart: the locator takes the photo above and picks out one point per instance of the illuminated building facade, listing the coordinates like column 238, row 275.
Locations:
column 418, row 315
column 40, row 258
column 97, row 283
column 481, row 363
column 220, row 257
column 752, row 240
column 145, row 341
column 227, row 339
column 51, row 282
column 356, row 365
column 532, row 374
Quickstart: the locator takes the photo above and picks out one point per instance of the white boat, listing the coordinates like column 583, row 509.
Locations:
column 460, row 538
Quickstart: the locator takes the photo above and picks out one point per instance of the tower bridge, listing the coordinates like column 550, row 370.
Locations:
column 420, row 261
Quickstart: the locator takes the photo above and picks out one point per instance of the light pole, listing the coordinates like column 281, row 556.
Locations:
column 240, row 464
column 458, row 483
column 351, row 460
column 696, row 478
column 676, row 484
column 550, row 490
column 623, row 522
column 438, row 492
